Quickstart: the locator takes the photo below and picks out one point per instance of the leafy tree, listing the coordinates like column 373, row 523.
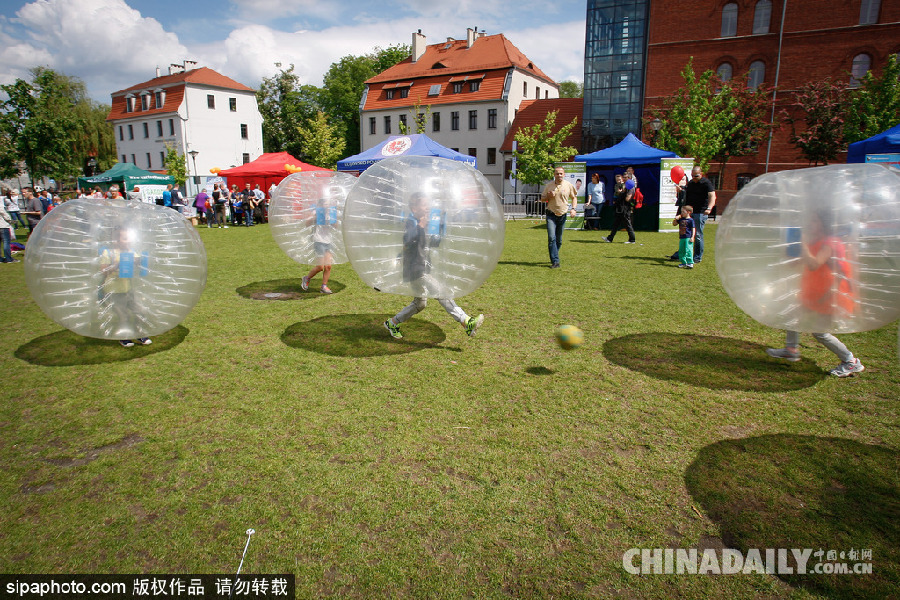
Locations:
column 708, row 119
column 285, row 105
column 823, row 106
column 322, row 143
column 94, row 136
column 40, row 123
column 571, row 89
column 176, row 164
column 539, row 146
column 875, row 105
column 419, row 117
column 344, row 84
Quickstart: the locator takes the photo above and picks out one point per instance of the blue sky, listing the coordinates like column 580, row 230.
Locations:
column 113, row 44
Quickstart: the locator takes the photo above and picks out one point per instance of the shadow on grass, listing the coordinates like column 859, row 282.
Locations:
column 798, row 491
column 516, row 263
column 712, row 362
column 287, row 289
column 362, row 335
column 652, row 260
column 67, row 349
column 539, row 371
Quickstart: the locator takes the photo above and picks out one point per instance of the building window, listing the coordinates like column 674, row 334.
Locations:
column 714, row 179
column 868, row 12
column 149, row 163
column 159, row 99
column 473, row 152
column 146, row 130
column 121, row 133
column 245, row 157
column 743, row 179
column 436, row 121
column 525, row 88
column 244, row 135
column 145, row 102
column 420, row 123
column 402, row 125
column 124, row 160
column 162, row 160
column 474, row 86
column 492, row 156
column 492, row 118
column 757, row 74
column 729, row 20
column 389, row 94
column 434, row 90
column 404, row 92
column 159, row 129
column 210, row 101
column 725, row 71
column 387, row 124
column 131, row 133
column 133, row 161
column 454, row 120
column 762, row 16
column 171, row 126
column 232, row 104
column 371, row 125
column 457, row 87
column 473, row 119
column 537, row 92
column 861, row 65
column 129, row 104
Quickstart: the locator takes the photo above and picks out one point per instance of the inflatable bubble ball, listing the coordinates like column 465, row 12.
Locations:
column 569, row 337
column 423, row 226
column 115, row 269
column 306, row 214
column 815, row 250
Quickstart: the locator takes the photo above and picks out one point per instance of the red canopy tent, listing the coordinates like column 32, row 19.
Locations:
column 265, row 170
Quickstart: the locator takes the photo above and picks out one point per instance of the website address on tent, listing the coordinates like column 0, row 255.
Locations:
column 772, row 561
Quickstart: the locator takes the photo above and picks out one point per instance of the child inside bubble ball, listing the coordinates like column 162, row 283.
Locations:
column 117, row 265
column 423, row 231
column 325, row 223
column 825, row 288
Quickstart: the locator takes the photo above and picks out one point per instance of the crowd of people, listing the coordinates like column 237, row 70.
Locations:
column 222, row 206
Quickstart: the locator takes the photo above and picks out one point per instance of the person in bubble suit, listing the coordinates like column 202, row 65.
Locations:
column 325, row 222
column 422, row 232
column 825, row 288
column 115, row 293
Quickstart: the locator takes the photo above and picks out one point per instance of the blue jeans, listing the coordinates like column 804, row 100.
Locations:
column 4, row 245
column 555, row 227
column 699, row 222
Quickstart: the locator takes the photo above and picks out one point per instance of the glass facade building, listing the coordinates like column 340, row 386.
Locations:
column 615, row 54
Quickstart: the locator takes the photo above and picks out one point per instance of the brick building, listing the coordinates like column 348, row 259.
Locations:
column 795, row 41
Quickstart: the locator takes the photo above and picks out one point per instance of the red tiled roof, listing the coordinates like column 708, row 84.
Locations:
column 174, row 87
column 532, row 112
column 488, row 61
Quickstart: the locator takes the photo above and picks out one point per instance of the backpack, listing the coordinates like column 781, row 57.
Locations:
column 638, row 198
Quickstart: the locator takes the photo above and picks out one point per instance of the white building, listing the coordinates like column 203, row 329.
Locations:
column 195, row 110
column 466, row 92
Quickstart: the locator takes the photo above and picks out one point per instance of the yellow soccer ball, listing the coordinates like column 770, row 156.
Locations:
column 569, row 337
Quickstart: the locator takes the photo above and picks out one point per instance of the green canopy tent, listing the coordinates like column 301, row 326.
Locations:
column 126, row 176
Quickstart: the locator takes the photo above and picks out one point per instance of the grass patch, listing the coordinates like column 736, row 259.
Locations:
column 441, row 465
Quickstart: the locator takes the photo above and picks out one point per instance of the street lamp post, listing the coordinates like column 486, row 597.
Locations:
column 194, row 154
column 655, row 125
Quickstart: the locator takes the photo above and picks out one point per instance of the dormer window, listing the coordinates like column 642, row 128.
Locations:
column 389, row 94
column 160, row 97
column 457, row 87
column 145, row 101
column 129, row 103
column 474, row 86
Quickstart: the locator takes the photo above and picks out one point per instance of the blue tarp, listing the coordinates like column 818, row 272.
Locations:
column 630, row 151
column 886, row 142
column 415, row 144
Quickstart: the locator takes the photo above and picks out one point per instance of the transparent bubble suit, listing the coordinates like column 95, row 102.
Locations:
column 309, row 207
column 114, row 269
column 772, row 223
column 463, row 210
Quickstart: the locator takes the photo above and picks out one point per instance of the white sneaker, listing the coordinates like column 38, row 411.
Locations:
column 304, row 283
column 784, row 353
column 847, row 369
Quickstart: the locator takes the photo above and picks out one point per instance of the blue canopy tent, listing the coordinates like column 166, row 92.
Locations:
column 886, row 142
column 415, row 144
column 609, row 162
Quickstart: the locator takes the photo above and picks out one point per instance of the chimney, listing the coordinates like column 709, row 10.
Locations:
column 173, row 69
column 190, row 64
column 157, row 71
column 470, row 36
column 418, row 45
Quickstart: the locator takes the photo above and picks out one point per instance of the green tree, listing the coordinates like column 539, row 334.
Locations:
column 821, row 108
column 344, row 84
column 571, row 89
column 419, row 117
column 176, row 164
column 539, row 146
column 745, row 124
column 875, row 105
column 95, row 135
column 40, row 123
column 322, row 143
column 285, row 105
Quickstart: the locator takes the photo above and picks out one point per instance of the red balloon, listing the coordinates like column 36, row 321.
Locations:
column 677, row 174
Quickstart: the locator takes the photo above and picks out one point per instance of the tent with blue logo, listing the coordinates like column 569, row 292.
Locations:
column 886, row 142
column 630, row 152
column 415, row 144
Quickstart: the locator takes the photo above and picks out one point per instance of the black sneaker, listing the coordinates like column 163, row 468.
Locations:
column 126, row 343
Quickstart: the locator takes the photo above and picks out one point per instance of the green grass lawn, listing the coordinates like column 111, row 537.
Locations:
column 442, row 466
